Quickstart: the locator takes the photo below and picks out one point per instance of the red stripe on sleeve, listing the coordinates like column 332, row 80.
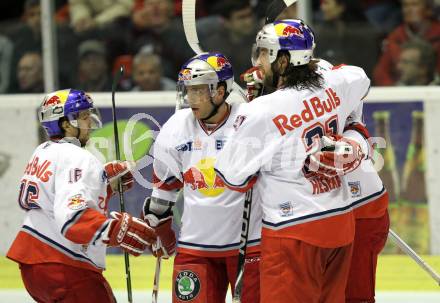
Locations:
column 173, row 184
column 244, row 188
column 83, row 230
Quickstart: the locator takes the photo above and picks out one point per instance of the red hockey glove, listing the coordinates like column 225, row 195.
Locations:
column 119, row 169
column 131, row 234
column 337, row 156
column 166, row 238
column 254, row 82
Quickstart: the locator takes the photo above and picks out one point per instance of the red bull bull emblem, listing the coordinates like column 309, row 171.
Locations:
column 55, row 99
column 77, row 202
column 286, row 30
column 185, row 74
column 218, row 63
column 203, row 178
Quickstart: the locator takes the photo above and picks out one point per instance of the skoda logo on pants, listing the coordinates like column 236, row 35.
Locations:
column 187, row 285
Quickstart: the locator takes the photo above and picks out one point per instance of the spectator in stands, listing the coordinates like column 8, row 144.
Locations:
column 30, row 73
column 384, row 15
column 345, row 36
column 236, row 37
column 416, row 64
column 26, row 37
column 417, row 23
column 152, row 23
column 147, row 74
column 86, row 15
column 6, row 48
column 93, row 70
column 437, row 9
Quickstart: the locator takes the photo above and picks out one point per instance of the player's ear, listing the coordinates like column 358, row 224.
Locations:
column 221, row 92
column 66, row 126
column 283, row 62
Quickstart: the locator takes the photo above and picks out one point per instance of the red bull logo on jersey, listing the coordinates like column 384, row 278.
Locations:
column 203, row 178
column 77, row 202
column 287, row 30
column 218, row 63
column 313, row 108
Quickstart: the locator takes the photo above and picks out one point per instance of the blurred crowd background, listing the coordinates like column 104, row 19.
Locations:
column 396, row 41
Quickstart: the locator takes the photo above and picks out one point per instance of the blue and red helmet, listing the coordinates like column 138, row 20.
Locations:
column 291, row 35
column 206, row 68
column 65, row 103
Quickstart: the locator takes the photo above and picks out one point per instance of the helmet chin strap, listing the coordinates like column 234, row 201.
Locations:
column 77, row 136
column 214, row 110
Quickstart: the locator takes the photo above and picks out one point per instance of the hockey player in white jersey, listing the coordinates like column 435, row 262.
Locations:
column 62, row 243
column 370, row 202
column 308, row 225
column 185, row 152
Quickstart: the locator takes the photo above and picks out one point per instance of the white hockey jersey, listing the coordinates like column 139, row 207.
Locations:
column 366, row 190
column 185, row 153
column 63, row 191
column 274, row 134
column 367, row 193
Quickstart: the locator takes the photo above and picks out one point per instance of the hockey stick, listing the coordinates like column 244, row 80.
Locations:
column 236, row 298
column 189, row 27
column 156, row 280
column 275, row 8
column 116, row 80
column 410, row 252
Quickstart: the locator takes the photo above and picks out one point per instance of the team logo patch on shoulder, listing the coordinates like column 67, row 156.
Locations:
column 187, row 285
column 355, row 189
column 77, row 202
column 286, row 209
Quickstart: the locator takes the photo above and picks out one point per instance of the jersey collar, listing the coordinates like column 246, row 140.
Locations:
column 210, row 130
column 71, row 140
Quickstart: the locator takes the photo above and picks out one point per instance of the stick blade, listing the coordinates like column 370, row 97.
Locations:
column 275, row 8
column 189, row 24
